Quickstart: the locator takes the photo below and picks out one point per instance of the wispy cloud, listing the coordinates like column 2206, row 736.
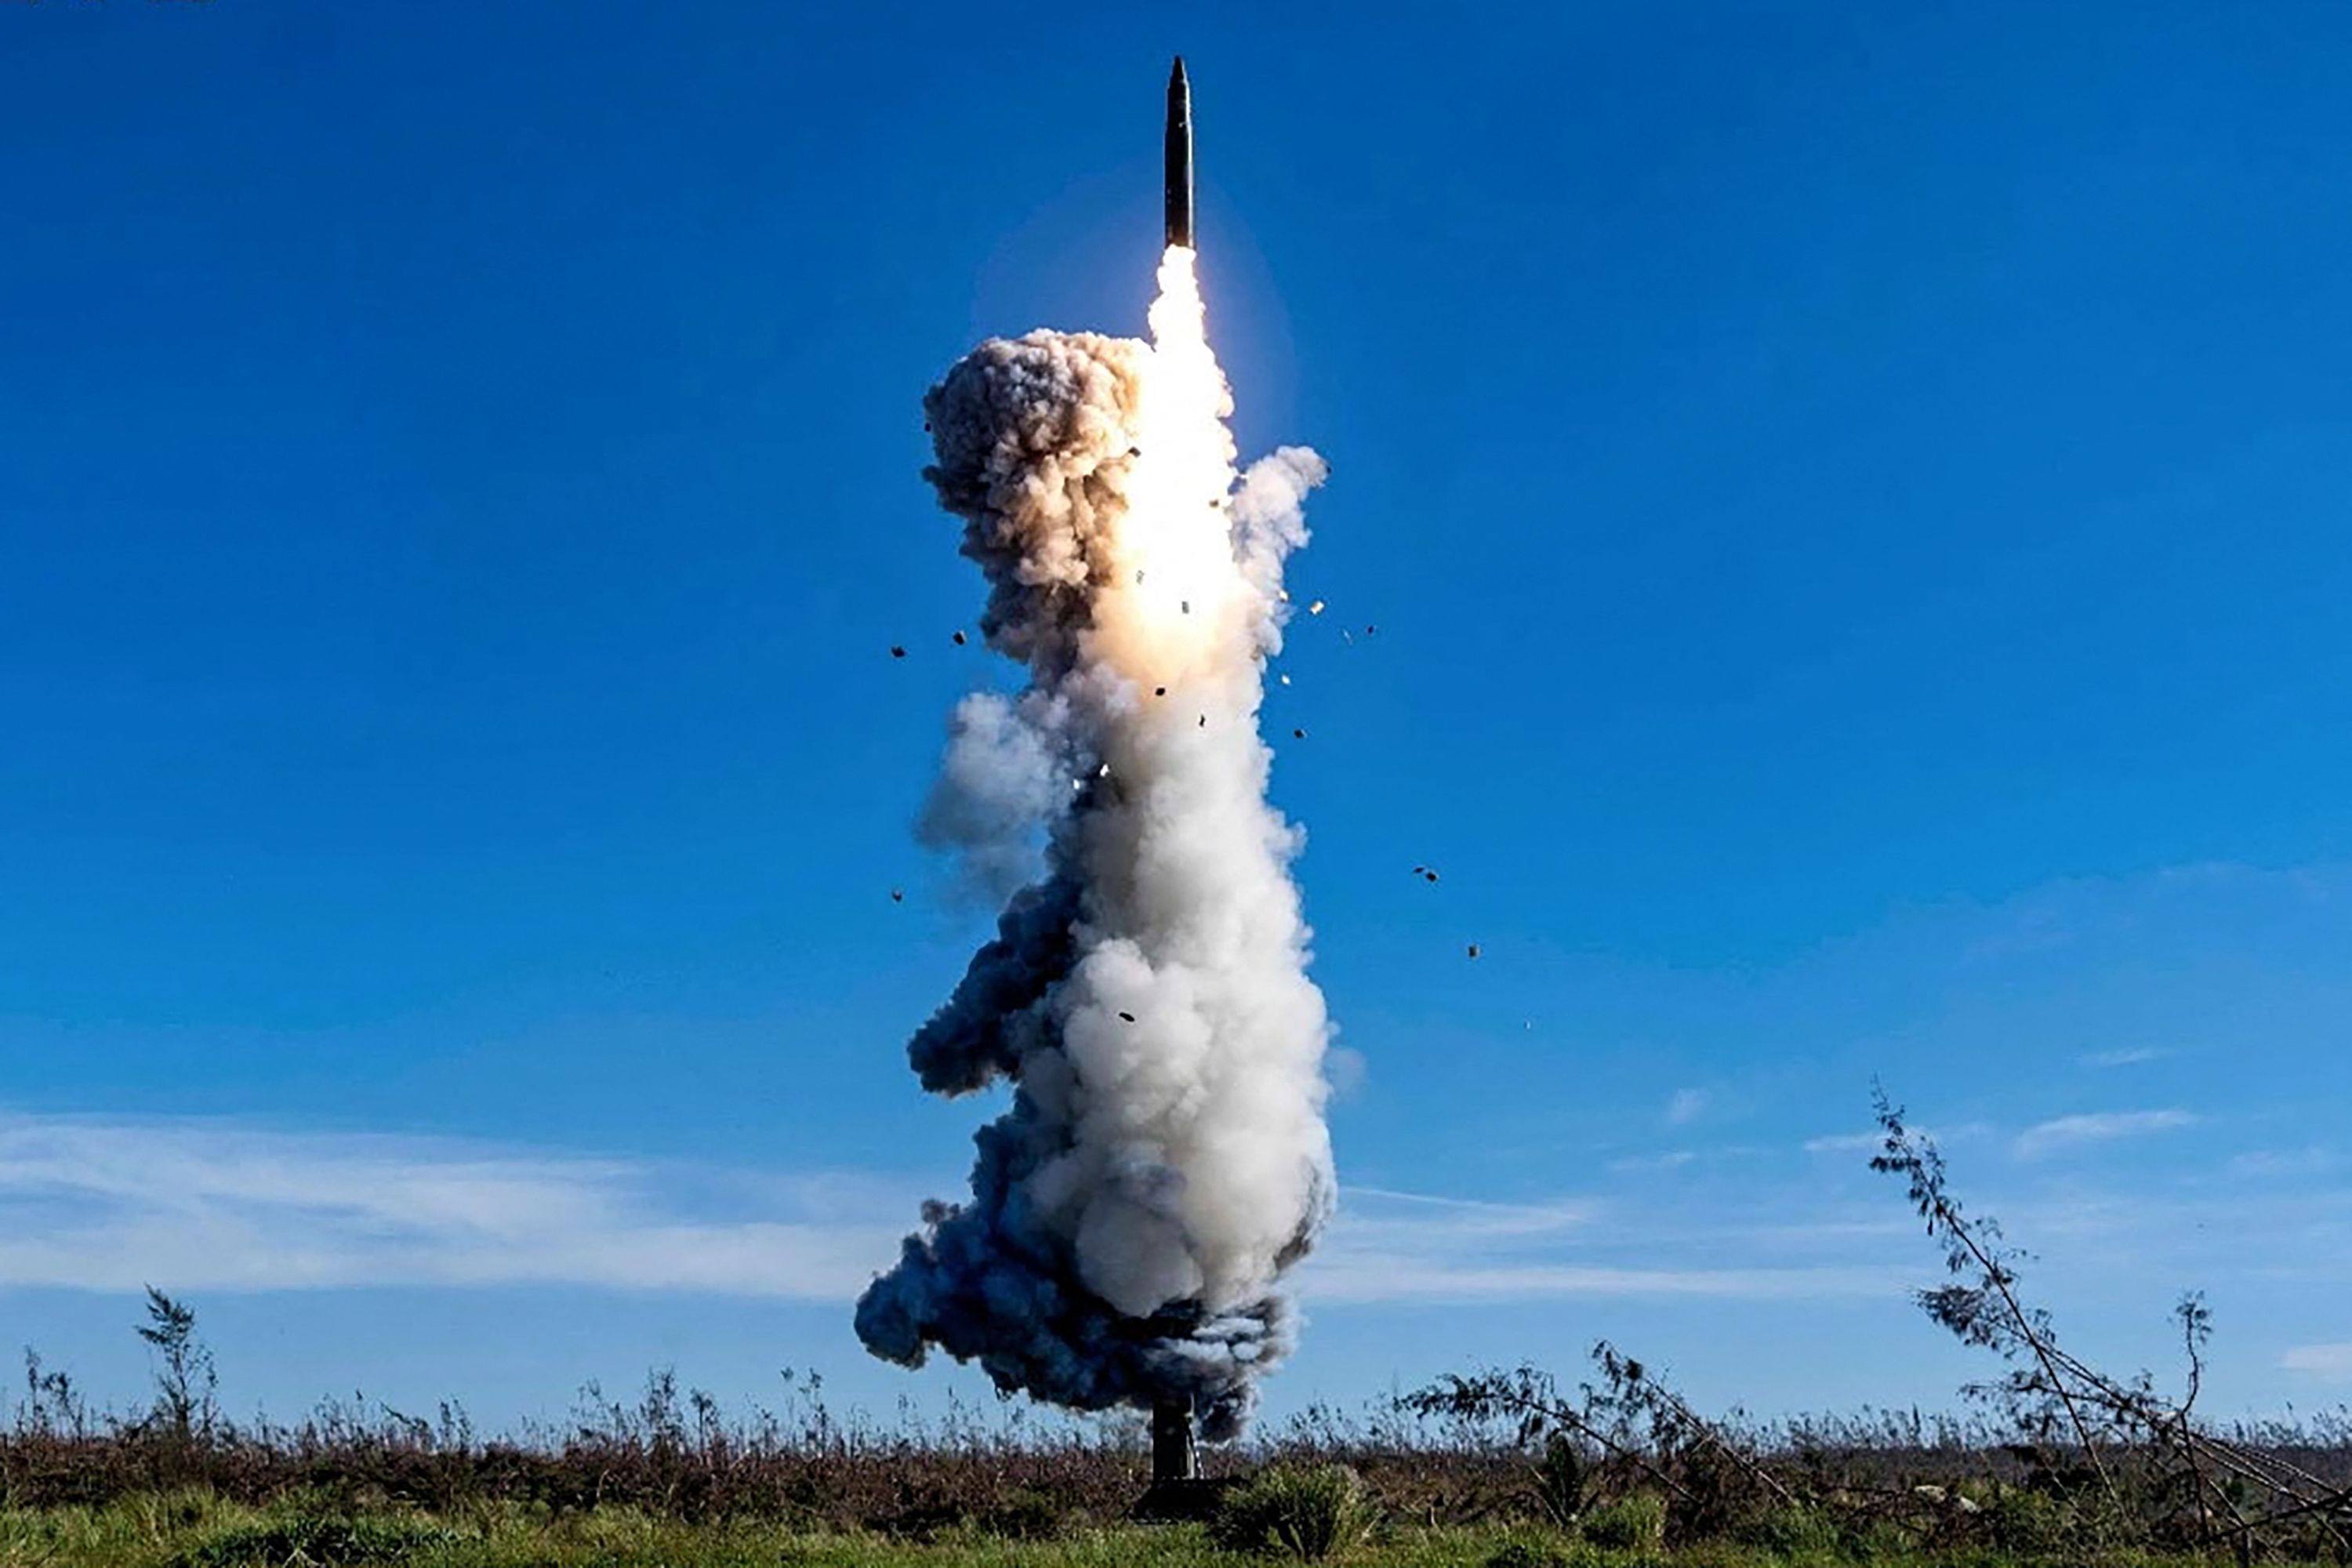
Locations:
column 1870, row 1143
column 2329, row 1363
column 2264, row 1164
column 2130, row 1055
column 1398, row 1247
column 1401, row 1212
column 1343, row 1277
column 1686, row 1106
column 2096, row 1127
column 1671, row 1160
column 112, row 1205
column 1844, row 1143
column 189, row 1205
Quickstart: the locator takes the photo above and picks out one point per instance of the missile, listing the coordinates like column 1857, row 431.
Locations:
column 1180, row 157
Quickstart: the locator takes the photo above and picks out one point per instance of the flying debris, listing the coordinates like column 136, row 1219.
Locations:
column 1285, row 679
column 1315, row 608
column 897, row 651
column 1371, row 631
column 1473, row 950
column 1298, row 734
column 1129, row 1016
column 959, row 640
column 1428, row 873
column 1185, row 605
column 1179, row 149
column 1160, row 691
column 898, row 895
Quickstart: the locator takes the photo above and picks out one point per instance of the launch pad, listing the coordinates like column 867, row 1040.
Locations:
column 1174, row 1459
column 1177, row 1492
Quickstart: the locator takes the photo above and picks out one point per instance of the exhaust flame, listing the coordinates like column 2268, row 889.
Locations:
column 1175, row 534
column 1164, row 1160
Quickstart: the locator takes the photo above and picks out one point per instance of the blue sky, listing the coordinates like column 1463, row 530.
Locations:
column 1853, row 498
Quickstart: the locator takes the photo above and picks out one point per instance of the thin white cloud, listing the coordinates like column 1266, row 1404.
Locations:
column 198, row 1205
column 2096, row 1127
column 202, row 1205
column 2329, row 1363
column 2132, row 1056
column 1356, row 1279
column 1870, row 1143
column 113, row 1205
column 1394, row 1213
column 2266, row 1164
column 1846, row 1144
column 1686, row 1106
column 1672, row 1160
column 1400, row 1246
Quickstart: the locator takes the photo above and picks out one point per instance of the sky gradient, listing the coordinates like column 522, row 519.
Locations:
column 1853, row 499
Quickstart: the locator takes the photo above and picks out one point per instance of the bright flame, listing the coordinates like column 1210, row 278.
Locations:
column 1177, row 579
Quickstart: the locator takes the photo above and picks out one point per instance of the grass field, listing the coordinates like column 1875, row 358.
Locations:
column 197, row 1529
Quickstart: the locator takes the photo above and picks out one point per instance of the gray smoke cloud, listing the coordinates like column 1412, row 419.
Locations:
column 1164, row 1159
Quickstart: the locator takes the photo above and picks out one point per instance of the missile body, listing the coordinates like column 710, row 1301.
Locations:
column 1180, row 157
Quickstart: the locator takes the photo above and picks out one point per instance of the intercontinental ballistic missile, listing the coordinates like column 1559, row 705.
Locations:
column 1180, row 157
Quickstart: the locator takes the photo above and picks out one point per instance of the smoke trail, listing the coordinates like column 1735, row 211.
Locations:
column 1164, row 1160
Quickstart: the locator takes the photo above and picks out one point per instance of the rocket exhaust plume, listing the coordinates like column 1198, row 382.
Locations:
column 1163, row 1161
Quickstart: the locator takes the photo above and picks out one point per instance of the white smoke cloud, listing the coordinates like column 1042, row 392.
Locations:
column 1005, row 772
column 1165, row 1161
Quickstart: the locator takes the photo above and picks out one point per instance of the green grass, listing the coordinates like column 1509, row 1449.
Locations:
column 197, row 1530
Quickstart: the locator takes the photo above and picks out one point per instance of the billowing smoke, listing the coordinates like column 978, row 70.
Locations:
column 1164, row 1160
